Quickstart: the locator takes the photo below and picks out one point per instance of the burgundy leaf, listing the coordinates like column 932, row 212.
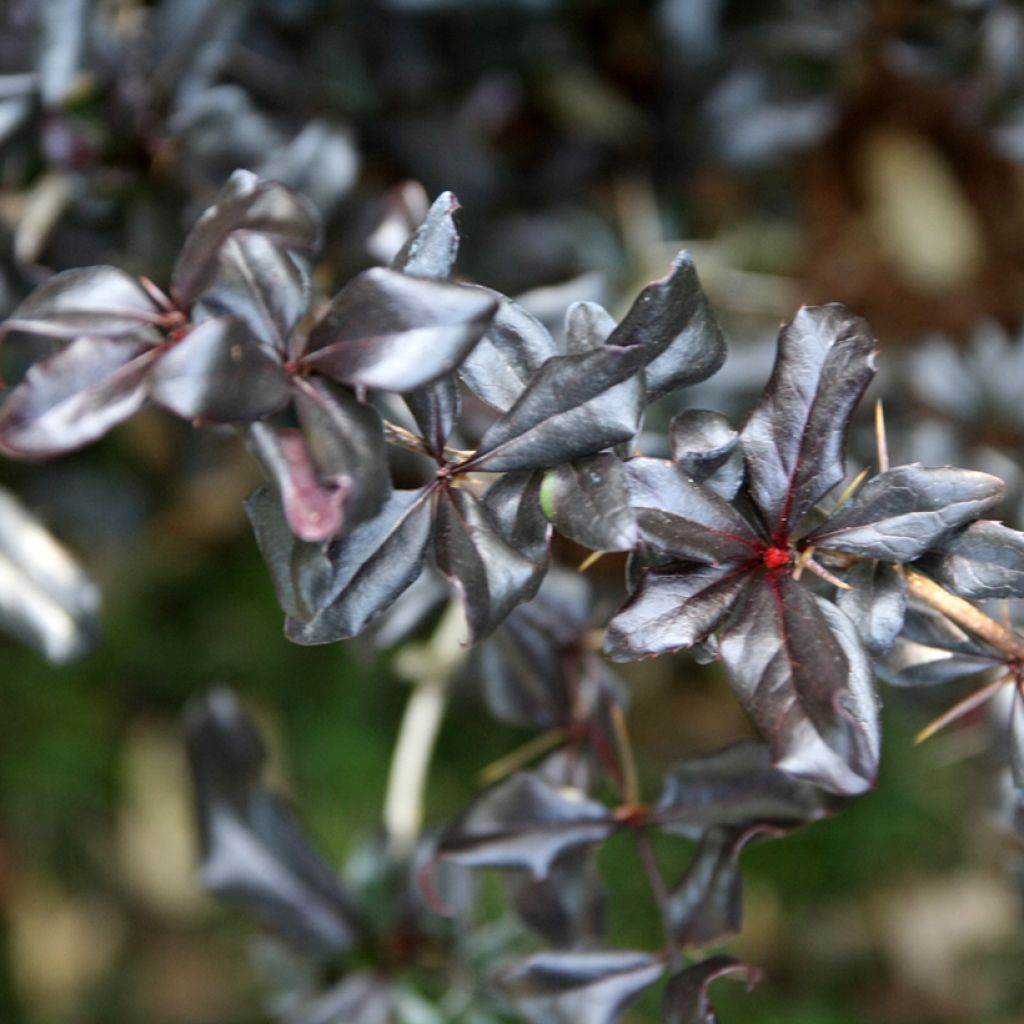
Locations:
column 685, row 519
column 314, row 506
column 262, row 284
column 88, row 301
column 706, row 445
column 736, row 788
column 513, row 502
column 673, row 609
column 877, row 603
column 587, row 326
column 254, row 854
column 802, row 674
column 588, row 501
column 393, row 332
column 795, row 437
column 492, row 576
column 75, row 396
column 686, row 994
column 219, row 372
column 574, row 406
column 513, row 348
column 984, row 560
column 580, row 988
column 523, row 822
column 370, row 567
column 431, row 251
column 435, row 409
column 898, row 515
column 673, row 323
column 245, row 205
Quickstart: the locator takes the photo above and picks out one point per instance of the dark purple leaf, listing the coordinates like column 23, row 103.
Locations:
column 567, row 907
column 686, row 994
column 514, row 347
column 706, row 445
column 673, row 323
column 245, row 205
column 46, row 599
column 795, row 437
column 523, row 822
column 220, row 372
column 314, row 506
column 300, row 571
column 899, row 514
column 580, row 988
column 707, row 905
column 261, row 284
column 985, row 560
column 394, row 332
column 736, row 788
column 587, row 326
column 361, row 998
column 92, row 300
column 685, row 519
column 370, row 567
column 588, row 501
column 254, row 854
column 492, row 576
column 346, row 440
column 574, row 406
column 436, row 411
column 877, row 603
column 431, row 251
column 75, row 396
column 514, row 505
column 802, row 674
column 673, row 609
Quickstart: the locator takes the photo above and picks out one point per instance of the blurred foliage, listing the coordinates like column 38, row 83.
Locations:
column 868, row 153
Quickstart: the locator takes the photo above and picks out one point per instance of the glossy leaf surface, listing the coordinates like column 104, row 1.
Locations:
column 431, row 251
column 877, row 603
column 985, row 560
column 588, row 501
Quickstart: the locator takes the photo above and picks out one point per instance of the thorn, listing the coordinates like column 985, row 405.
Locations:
column 820, row 570
column 848, row 493
column 880, row 438
column 963, row 707
column 592, row 559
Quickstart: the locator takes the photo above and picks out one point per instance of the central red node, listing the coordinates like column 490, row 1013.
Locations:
column 776, row 558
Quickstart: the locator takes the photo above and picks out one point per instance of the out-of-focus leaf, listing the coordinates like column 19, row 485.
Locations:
column 17, row 96
column 795, row 438
column 802, row 674
column 574, row 406
column 1017, row 740
column 300, row 570
column 314, row 504
column 90, row 300
column 370, row 567
column 431, row 251
column 588, row 501
column 706, row 445
column 580, row 988
column 567, row 907
column 219, row 372
column 493, row 577
column 63, row 25
column 262, row 284
column 361, row 998
column 735, row 788
column 523, row 822
column 985, row 560
column 897, row 515
column 587, row 326
column 707, row 905
column 685, row 519
column 75, row 396
column 46, row 598
column 876, row 604
column 254, row 854
column 346, row 440
column 512, row 349
column 686, row 994
column 394, row 332
column 246, row 205
column 673, row 610
column 672, row 321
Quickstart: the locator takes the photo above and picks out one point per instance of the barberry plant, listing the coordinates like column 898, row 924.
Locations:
column 424, row 438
